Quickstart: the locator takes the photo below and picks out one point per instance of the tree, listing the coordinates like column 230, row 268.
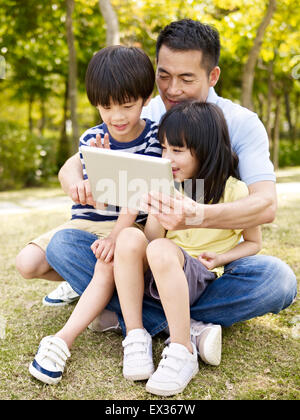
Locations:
column 72, row 74
column 112, row 23
column 249, row 68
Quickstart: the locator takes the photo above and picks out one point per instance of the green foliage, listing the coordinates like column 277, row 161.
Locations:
column 289, row 153
column 26, row 159
column 34, row 46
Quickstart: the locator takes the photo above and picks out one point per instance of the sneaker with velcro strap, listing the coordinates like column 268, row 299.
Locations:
column 175, row 370
column 62, row 295
column 137, row 361
column 50, row 360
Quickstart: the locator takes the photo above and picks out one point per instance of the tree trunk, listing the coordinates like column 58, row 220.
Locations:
column 30, row 120
column 42, row 121
column 296, row 119
column 72, row 75
column 276, row 134
column 270, row 100
column 112, row 23
column 63, row 151
column 288, row 109
column 249, row 67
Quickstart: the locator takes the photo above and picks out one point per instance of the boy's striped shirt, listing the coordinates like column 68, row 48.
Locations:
column 146, row 144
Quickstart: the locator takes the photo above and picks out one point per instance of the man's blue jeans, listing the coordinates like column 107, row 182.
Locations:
column 249, row 287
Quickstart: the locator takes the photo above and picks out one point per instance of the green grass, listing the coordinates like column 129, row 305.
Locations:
column 260, row 358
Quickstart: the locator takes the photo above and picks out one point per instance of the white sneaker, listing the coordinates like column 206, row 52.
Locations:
column 62, row 295
column 50, row 359
column 208, row 341
column 175, row 370
column 137, row 361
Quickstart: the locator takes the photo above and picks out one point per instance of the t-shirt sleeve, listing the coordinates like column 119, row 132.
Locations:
column 153, row 147
column 252, row 148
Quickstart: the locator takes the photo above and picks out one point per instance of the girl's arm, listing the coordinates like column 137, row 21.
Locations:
column 250, row 246
column 153, row 229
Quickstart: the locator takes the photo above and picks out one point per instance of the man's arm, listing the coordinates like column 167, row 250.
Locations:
column 183, row 213
column 256, row 209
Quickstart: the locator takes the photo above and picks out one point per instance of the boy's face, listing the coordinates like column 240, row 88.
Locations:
column 123, row 120
column 180, row 76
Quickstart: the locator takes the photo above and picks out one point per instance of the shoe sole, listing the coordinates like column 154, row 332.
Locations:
column 153, row 389
column 62, row 303
column 106, row 321
column 210, row 353
column 42, row 377
column 138, row 376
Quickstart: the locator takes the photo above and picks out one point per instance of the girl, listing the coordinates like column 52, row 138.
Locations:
column 176, row 266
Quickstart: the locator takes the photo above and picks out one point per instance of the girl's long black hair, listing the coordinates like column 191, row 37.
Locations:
column 201, row 127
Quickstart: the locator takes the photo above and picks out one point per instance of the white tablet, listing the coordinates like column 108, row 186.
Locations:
column 121, row 178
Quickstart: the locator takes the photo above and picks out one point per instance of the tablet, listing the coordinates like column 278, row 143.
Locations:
column 121, row 179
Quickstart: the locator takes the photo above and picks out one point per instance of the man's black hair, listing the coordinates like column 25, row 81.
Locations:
column 188, row 34
column 119, row 74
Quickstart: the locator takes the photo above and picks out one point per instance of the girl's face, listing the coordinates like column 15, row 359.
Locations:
column 184, row 163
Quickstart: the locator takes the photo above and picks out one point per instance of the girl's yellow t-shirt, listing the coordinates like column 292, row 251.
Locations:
column 198, row 240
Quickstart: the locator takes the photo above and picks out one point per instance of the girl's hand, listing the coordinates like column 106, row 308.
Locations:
column 210, row 260
column 104, row 249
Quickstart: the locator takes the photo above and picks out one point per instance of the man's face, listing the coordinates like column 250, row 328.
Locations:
column 180, row 76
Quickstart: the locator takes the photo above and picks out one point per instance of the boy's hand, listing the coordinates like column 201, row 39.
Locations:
column 210, row 260
column 104, row 249
column 105, row 145
column 81, row 193
column 98, row 142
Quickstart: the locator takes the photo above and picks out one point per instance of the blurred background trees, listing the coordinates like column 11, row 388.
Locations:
column 46, row 47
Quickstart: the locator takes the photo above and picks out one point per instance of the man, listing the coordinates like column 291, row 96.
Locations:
column 187, row 68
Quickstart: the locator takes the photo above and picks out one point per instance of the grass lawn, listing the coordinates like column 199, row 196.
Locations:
column 260, row 358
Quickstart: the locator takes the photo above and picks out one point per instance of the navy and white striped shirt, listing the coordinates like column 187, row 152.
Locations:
column 146, row 144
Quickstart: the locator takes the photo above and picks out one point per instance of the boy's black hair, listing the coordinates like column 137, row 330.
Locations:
column 202, row 128
column 119, row 74
column 188, row 34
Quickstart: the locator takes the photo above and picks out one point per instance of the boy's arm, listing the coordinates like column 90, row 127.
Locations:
column 250, row 246
column 71, row 180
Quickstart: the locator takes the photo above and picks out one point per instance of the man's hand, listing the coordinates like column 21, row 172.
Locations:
column 174, row 213
column 104, row 249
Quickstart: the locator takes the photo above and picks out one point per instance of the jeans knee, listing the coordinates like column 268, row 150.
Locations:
column 283, row 283
column 287, row 282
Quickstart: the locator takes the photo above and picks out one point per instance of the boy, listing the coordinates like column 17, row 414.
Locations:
column 105, row 78
column 119, row 82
